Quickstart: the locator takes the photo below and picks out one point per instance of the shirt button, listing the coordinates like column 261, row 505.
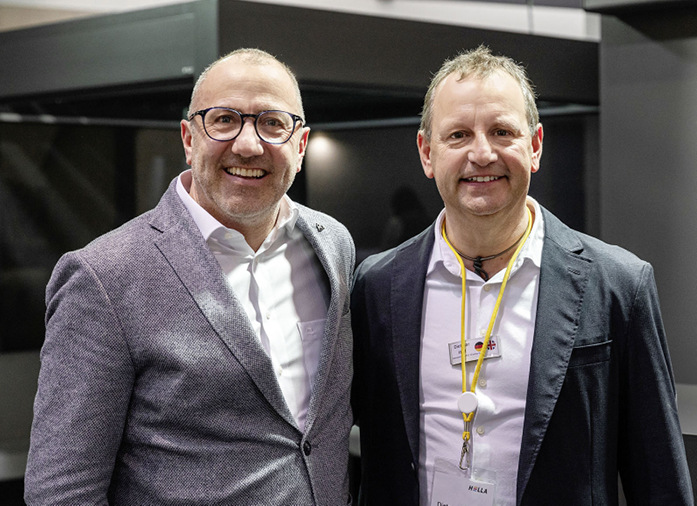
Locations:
column 487, row 288
column 280, row 371
column 268, row 315
column 307, row 448
column 480, row 430
column 482, row 383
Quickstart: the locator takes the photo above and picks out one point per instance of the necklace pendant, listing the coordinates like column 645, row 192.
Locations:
column 478, row 268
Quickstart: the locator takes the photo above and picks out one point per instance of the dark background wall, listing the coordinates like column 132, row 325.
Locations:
column 648, row 181
column 648, row 90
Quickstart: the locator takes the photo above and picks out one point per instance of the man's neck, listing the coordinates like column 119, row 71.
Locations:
column 256, row 233
column 483, row 237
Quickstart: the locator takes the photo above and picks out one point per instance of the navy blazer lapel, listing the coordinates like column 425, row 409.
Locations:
column 186, row 251
column 563, row 279
column 406, row 307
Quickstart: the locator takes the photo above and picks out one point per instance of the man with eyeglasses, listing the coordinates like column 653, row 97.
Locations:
column 201, row 353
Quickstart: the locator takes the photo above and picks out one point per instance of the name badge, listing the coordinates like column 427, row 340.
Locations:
column 472, row 350
column 452, row 487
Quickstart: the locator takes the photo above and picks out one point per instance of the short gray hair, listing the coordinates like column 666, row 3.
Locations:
column 248, row 55
column 481, row 63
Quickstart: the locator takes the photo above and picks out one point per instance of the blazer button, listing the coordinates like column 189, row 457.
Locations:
column 307, row 448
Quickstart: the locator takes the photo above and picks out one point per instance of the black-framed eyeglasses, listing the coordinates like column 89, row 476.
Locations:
column 223, row 124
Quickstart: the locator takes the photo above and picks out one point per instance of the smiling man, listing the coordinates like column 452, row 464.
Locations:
column 501, row 357
column 201, row 353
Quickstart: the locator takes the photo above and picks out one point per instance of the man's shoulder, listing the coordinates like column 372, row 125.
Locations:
column 415, row 250
column 329, row 233
column 116, row 251
column 607, row 252
column 604, row 255
column 321, row 221
column 125, row 236
column 133, row 238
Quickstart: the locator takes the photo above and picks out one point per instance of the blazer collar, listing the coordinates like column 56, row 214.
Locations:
column 316, row 231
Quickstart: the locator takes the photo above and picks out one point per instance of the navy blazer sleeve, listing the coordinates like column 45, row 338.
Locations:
column 651, row 454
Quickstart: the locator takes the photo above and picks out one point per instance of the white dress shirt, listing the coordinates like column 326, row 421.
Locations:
column 496, row 431
column 283, row 289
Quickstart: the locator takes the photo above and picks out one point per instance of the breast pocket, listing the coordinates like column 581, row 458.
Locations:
column 591, row 354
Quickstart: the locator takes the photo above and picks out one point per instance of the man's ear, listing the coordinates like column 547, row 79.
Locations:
column 186, row 139
column 537, row 148
column 302, row 147
column 424, row 146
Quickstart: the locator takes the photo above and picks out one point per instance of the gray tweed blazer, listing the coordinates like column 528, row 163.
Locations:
column 154, row 389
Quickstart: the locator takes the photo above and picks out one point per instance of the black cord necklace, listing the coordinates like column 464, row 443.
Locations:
column 478, row 261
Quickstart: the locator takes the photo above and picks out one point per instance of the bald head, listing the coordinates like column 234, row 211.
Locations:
column 250, row 56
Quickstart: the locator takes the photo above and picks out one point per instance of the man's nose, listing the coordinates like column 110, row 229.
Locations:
column 481, row 151
column 247, row 143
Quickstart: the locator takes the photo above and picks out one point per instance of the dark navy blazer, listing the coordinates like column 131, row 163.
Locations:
column 601, row 396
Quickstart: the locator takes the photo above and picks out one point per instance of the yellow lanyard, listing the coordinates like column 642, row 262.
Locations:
column 467, row 417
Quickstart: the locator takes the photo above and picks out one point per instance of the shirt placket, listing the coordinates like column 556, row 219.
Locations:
column 267, row 316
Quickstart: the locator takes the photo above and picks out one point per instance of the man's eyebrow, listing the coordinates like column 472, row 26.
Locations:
column 507, row 121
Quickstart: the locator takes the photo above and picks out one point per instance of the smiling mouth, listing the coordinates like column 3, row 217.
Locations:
column 248, row 173
column 482, row 179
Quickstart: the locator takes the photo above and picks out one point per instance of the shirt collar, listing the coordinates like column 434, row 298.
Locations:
column 212, row 229
column 531, row 252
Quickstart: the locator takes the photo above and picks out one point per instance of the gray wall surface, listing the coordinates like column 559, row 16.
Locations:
column 648, row 179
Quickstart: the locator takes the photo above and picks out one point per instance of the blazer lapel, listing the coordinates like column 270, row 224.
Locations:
column 317, row 235
column 563, row 279
column 406, row 307
column 183, row 246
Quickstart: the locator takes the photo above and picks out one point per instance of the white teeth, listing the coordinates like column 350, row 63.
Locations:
column 238, row 171
column 482, row 179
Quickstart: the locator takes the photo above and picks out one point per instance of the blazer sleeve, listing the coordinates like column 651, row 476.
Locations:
column 83, row 392
column 652, row 462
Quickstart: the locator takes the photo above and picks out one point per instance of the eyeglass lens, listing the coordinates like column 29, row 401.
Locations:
column 272, row 126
